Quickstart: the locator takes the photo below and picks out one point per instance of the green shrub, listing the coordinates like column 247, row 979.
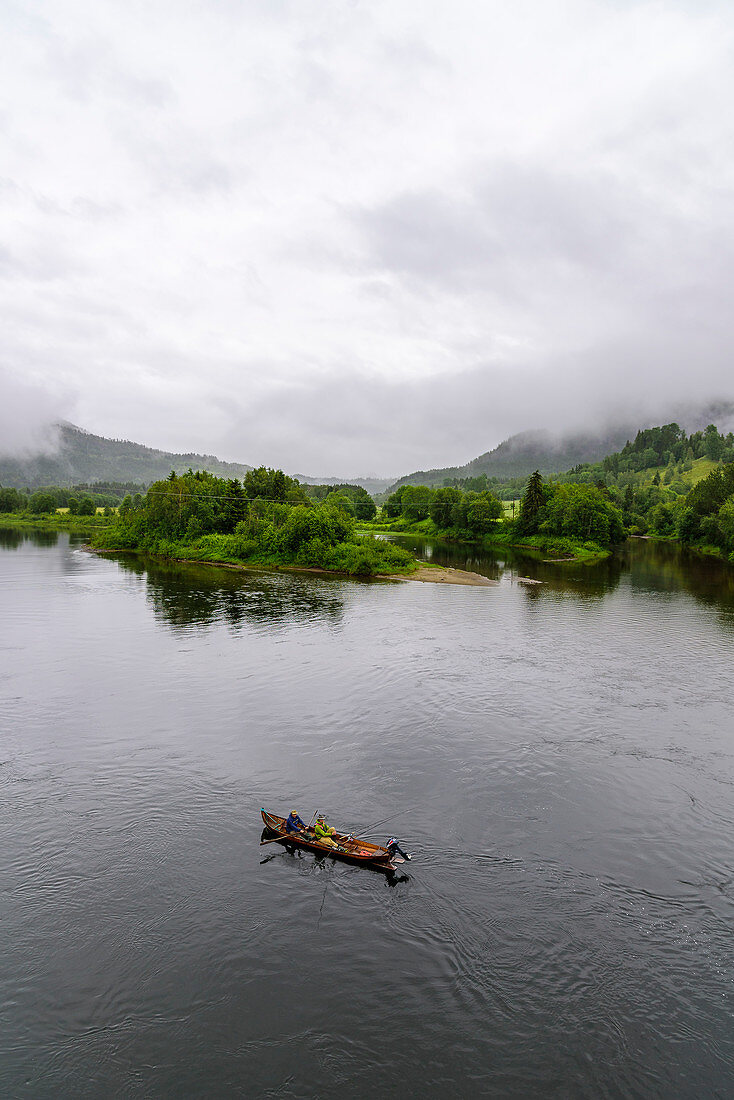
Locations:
column 312, row 553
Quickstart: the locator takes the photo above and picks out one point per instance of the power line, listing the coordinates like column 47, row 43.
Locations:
column 189, row 496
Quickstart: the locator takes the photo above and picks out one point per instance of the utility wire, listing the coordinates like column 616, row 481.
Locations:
column 292, row 503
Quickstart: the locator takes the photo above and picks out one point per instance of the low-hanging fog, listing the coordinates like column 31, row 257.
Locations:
column 367, row 237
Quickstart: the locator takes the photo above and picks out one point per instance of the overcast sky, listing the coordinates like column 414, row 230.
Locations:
column 361, row 237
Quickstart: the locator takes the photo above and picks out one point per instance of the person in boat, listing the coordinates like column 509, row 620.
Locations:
column 294, row 824
column 324, row 833
column 394, row 848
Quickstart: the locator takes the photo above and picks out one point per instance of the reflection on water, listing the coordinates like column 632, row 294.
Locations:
column 664, row 567
column 557, row 757
column 197, row 595
column 323, row 860
column 588, row 580
column 11, row 538
column 649, row 566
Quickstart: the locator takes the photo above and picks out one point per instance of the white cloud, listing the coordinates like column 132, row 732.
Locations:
column 26, row 414
column 360, row 236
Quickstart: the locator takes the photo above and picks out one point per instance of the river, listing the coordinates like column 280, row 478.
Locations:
column 559, row 758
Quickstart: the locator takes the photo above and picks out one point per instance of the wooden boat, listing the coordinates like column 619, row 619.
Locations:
column 349, row 847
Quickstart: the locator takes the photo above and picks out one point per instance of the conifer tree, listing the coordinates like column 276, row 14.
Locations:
column 531, row 503
column 234, row 507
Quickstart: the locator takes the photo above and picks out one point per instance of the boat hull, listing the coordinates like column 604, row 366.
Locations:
column 352, row 851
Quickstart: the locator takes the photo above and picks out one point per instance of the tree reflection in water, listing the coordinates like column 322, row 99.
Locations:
column 11, row 538
column 667, row 567
column 588, row 582
column 193, row 595
column 646, row 563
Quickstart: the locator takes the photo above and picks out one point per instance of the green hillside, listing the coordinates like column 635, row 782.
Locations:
column 655, row 475
column 664, row 483
column 85, row 458
column 520, row 455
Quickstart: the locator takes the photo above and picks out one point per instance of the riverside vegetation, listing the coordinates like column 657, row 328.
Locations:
column 267, row 519
column 570, row 522
column 59, row 508
column 663, row 484
column 672, row 486
column 270, row 519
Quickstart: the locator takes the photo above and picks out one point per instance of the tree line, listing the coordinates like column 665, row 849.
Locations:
column 268, row 517
column 581, row 513
column 664, row 446
column 703, row 516
column 81, row 500
column 451, row 509
column 706, row 516
column 576, row 512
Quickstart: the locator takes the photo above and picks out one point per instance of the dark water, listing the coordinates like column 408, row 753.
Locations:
column 559, row 759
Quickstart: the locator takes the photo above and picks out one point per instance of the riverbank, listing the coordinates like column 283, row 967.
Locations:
column 58, row 521
column 706, row 550
column 548, row 548
column 440, row 574
column 431, row 574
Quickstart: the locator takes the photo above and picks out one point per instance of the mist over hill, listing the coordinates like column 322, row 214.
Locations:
column 80, row 457
column 77, row 457
column 73, row 456
column 373, row 485
column 519, row 455
column 551, row 453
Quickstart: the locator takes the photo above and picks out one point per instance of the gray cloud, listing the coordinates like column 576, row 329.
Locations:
column 352, row 238
column 27, row 412
column 378, row 425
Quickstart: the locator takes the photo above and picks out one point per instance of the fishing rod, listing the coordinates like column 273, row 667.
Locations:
column 377, row 824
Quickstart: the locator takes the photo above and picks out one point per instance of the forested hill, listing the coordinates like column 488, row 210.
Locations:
column 521, row 454
column 373, row 485
column 84, row 458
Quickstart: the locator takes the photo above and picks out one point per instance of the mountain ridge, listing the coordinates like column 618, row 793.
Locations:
column 522, row 453
column 82, row 457
column 551, row 453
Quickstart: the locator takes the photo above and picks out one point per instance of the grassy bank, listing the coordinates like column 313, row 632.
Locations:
column 57, row 521
column 707, row 550
column 197, row 517
column 546, row 547
column 557, row 549
column 362, row 557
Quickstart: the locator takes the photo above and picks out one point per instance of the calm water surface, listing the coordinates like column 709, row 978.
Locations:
column 559, row 758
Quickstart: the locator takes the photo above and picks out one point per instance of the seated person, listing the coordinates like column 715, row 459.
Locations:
column 325, row 833
column 294, row 823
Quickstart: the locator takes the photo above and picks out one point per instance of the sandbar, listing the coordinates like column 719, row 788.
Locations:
column 433, row 574
column 445, row 575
